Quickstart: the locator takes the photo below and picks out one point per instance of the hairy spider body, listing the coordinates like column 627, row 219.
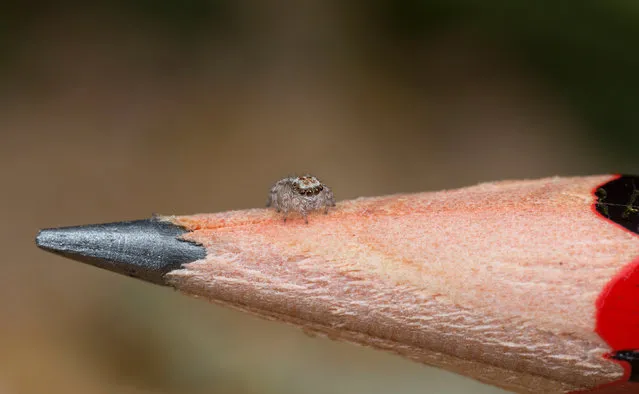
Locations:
column 301, row 194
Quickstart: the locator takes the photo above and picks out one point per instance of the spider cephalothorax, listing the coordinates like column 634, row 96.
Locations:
column 307, row 185
column 300, row 194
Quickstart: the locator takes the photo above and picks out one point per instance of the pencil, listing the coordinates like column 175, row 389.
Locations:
column 531, row 286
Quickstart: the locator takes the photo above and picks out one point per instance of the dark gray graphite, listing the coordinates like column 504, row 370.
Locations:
column 144, row 249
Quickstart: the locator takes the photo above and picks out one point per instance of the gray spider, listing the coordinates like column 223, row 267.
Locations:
column 300, row 194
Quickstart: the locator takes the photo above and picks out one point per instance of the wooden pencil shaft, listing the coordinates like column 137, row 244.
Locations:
column 497, row 282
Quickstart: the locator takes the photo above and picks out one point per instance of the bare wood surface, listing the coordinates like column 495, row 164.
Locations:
column 497, row 281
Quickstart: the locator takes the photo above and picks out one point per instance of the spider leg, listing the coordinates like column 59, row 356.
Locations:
column 271, row 200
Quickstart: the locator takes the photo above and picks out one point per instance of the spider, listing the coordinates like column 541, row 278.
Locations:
column 300, row 194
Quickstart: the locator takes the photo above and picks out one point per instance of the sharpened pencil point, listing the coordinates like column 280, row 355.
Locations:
column 143, row 249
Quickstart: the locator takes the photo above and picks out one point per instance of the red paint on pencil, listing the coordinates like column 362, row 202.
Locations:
column 617, row 318
column 618, row 310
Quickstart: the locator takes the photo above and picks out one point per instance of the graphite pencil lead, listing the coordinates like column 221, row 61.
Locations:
column 143, row 249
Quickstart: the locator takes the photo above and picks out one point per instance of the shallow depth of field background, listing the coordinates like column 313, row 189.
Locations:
column 114, row 110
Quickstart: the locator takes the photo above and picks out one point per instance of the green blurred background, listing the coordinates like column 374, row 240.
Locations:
column 114, row 110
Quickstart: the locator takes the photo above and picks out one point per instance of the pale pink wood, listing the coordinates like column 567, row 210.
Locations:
column 497, row 281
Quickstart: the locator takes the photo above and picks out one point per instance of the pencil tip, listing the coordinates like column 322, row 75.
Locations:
column 144, row 249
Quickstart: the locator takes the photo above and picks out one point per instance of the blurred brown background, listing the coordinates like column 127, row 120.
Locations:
column 114, row 110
